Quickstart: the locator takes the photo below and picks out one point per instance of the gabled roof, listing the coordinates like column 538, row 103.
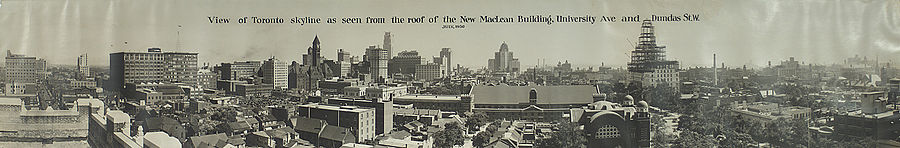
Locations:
column 207, row 140
column 336, row 133
column 309, row 125
column 571, row 94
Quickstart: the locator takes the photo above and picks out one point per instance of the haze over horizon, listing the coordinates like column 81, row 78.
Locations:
column 739, row 32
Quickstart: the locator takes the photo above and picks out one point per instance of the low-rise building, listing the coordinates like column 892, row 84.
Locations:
column 359, row 120
column 763, row 112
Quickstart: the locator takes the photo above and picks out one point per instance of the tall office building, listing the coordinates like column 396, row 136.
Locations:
column 344, row 61
column 503, row 61
column 445, row 55
column 377, row 58
column 153, row 66
column 405, row 62
column 275, row 72
column 24, row 69
column 648, row 60
column 82, row 67
column 387, row 44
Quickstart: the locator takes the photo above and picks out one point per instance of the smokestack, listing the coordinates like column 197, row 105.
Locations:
column 715, row 72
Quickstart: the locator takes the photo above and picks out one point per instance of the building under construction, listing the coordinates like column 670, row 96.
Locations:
column 648, row 60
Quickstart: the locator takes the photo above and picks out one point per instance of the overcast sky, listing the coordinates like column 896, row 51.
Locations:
column 745, row 32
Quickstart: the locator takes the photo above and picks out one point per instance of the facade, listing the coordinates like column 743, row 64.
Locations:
column 253, row 90
column 387, row 44
column 239, row 70
column 275, row 72
column 24, row 69
column 405, row 63
column 429, row 71
column 360, row 120
column 378, row 66
column 153, row 66
column 503, row 61
column 82, row 66
column 207, row 78
column 344, row 61
column 336, row 86
column 648, row 61
column 608, row 124
column 384, row 110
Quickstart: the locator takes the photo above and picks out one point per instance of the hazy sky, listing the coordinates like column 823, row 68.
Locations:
column 749, row 32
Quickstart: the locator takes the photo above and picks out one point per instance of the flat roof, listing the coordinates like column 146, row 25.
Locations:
column 10, row 101
column 48, row 113
column 338, row 108
column 119, row 116
column 428, row 97
column 570, row 94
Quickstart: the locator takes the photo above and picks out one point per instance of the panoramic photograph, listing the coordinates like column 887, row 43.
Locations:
column 449, row 74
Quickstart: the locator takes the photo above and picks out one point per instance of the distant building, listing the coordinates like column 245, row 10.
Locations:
column 445, row 55
column 82, row 66
column 648, row 61
column 253, row 90
column 429, row 71
column 385, row 93
column 378, row 66
column 763, row 112
column 873, row 120
column 359, row 120
column 503, row 61
column 405, row 63
column 344, row 61
column 24, row 69
column 435, row 102
column 275, row 72
column 207, row 78
column 239, row 70
column 336, row 86
column 387, row 44
column 153, row 66
column 155, row 92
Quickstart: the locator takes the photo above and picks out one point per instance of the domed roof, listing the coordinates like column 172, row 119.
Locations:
column 642, row 104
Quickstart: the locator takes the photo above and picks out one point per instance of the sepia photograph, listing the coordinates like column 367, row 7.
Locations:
column 449, row 74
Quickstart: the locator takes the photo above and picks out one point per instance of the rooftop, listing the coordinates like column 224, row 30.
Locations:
column 118, row 116
column 161, row 139
column 10, row 101
column 356, row 109
column 571, row 94
column 427, row 97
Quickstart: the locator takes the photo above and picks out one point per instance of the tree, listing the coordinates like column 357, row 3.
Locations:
column 450, row 136
column 481, row 139
column 476, row 120
column 568, row 136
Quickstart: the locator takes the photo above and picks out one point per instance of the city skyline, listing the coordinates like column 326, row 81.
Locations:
column 738, row 34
